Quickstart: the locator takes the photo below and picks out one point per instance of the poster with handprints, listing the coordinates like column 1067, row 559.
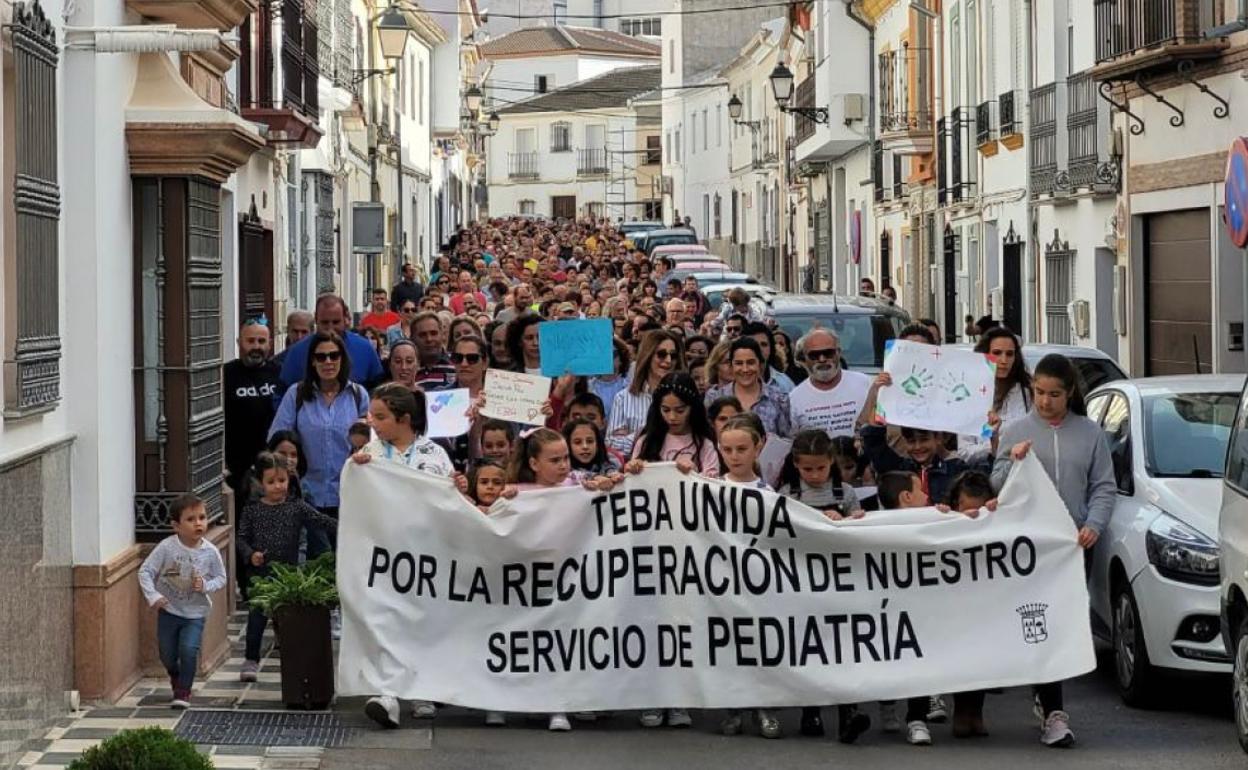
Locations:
column 937, row 388
column 447, row 413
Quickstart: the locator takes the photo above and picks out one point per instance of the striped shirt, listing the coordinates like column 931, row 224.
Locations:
column 628, row 417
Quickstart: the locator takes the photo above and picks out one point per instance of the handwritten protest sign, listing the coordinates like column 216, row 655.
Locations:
column 447, row 411
column 678, row 589
column 937, row 388
column 515, row 397
column 576, row 347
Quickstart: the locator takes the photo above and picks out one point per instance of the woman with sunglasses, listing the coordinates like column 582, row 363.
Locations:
column 321, row 409
column 403, row 329
column 660, row 353
column 470, row 355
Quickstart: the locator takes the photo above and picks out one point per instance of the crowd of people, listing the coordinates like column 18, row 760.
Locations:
column 720, row 392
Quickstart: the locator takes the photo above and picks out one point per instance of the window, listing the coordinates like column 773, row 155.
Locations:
column 594, row 209
column 559, row 11
column 561, row 137
column 649, row 26
column 528, row 207
column 543, row 83
column 719, row 125
column 718, row 213
column 693, row 135
column 706, row 213
column 671, row 56
column 677, row 158
column 704, row 130
column 1186, row 434
column 1117, row 427
column 667, row 144
column 261, row 51
column 420, row 86
column 654, row 154
column 1237, row 453
column 32, row 352
column 955, row 58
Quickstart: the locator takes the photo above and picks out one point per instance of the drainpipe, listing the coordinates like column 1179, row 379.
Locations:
column 851, row 10
column 1033, row 239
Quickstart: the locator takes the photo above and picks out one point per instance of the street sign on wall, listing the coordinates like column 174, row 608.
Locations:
column 368, row 228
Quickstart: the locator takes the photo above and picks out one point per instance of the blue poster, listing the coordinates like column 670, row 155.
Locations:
column 576, row 347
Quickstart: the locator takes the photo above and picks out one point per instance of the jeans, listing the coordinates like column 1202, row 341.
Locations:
column 179, row 639
column 256, row 623
column 320, row 541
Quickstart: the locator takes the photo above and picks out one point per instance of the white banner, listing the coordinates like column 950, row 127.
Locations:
column 680, row 591
column 937, row 388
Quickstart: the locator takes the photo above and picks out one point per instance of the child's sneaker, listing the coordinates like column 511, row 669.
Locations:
column 652, row 718
column 181, row 700
column 384, row 710
column 852, row 723
column 889, row 722
column 495, row 719
column 559, row 723
column 424, row 709
column 937, row 712
column 250, row 670
column 1057, row 733
column 917, row 734
column 679, row 718
column 768, row 724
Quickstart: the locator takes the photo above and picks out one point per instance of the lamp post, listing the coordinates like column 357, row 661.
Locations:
column 392, row 34
column 782, row 87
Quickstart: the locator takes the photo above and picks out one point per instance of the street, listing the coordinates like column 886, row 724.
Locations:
column 1194, row 731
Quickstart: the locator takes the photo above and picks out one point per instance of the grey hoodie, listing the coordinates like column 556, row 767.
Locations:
column 1076, row 457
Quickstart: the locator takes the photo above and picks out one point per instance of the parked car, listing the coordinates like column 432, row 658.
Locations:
column 708, row 264
column 709, row 275
column 1233, row 565
column 655, row 238
column 714, row 293
column 633, row 228
column 863, row 324
column 1154, row 576
column 1094, row 367
column 677, row 250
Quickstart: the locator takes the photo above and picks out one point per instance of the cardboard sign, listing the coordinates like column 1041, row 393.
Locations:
column 581, row 347
column 937, row 388
column 515, row 397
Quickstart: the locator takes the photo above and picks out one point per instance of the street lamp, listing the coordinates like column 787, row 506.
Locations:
column 734, row 108
column 491, row 124
column 782, row 86
column 472, row 97
column 392, row 31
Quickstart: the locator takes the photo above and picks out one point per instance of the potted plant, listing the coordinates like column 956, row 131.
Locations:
column 148, row 748
column 299, row 599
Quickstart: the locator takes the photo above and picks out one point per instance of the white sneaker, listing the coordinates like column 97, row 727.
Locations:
column 1057, row 733
column 424, row 709
column 936, row 710
column 917, row 734
column 495, row 719
column 181, row 704
column 559, row 723
column 384, row 710
column 679, row 718
column 889, row 722
column 652, row 718
column 768, row 724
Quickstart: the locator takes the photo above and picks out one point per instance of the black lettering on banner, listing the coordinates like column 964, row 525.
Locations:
column 617, row 559
column 597, row 502
column 667, row 572
column 380, row 563
column 401, row 585
column 994, row 553
column 952, row 573
column 785, row 570
column 634, row 647
column 617, row 513
column 497, row 662
column 864, row 634
column 639, row 502
column 751, row 512
column 1025, row 545
column 543, row 584
column 543, row 643
column 567, row 587
column 716, row 589
column 675, row 646
column 740, row 631
column 424, row 580
column 451, row 595
column 771, row 641
column 927, row 565
column 519, row 651
column 513, row 580
column 662, row 513
column 597, row 662
column 641, row 569
column 691, row 574
column 716, row 638
column 817, row 572
column 812, row 643
column 841, row 570
column 479, row 587
column 877, row 571
column 971, row 551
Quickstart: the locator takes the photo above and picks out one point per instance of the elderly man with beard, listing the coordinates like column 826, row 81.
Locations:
column 831, row 398
column 250, row 382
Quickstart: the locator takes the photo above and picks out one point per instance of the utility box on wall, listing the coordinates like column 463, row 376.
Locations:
column 368, row 228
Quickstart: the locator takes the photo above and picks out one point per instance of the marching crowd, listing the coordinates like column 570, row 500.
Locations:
column 723, row 393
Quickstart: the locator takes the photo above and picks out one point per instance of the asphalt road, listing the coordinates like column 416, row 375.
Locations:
column 1192, row 730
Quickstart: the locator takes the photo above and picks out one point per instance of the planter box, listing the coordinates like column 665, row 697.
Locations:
column 307, row 657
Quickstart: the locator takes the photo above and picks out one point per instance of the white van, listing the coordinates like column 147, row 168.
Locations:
column 1233, row 564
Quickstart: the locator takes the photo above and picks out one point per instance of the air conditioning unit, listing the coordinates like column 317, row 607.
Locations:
column 1080, row 317
column 855, row 107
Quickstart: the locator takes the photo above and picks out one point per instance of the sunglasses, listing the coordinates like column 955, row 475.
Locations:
column 321, row 358
column 471, row 358
column 828, row 354
column 409, row 309
column 664, row 355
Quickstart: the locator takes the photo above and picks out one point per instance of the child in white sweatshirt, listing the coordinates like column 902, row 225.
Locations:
column 176, row 578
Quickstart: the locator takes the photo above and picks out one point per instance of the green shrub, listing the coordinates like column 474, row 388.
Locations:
column 312, row 584
column 148, row 748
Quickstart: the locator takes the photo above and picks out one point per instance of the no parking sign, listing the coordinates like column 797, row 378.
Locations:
column 1236, row 195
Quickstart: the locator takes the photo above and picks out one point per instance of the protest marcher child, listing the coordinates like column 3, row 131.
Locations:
column 286, row 444
column 177, row 578
column 587, row 450
column 268, row 533
column 590, row 407
column 399, row 419
column 812, row 475
column 721, row 411
column 498, row 439
column 487, row 480
column 904, row 489
column 925, row 456
column 677, row 426
column 740, row 442
column 359, row 434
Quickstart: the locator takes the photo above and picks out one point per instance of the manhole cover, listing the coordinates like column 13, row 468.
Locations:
column 264, row 728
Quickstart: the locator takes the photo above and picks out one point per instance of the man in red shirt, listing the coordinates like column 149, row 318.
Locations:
column 467, row 288
column 381, row 317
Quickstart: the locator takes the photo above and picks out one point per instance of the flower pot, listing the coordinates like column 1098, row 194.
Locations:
column 307, row 656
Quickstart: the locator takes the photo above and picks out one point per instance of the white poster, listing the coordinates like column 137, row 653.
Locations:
column 515, row 397
column 681, row 591
column 937, row 388
column 447, row 413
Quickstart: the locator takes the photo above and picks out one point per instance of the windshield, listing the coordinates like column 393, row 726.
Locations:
column 862, row 336
column 1187, row 433
column 655, row 241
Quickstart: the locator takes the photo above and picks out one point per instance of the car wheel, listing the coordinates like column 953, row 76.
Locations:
column 1133, row 673
column 1239, row 683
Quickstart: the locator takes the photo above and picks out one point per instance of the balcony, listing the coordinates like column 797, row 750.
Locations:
column 804, row 127
column 985, row 138
column 1089, row 166
column 1009, row 127
column 1043, row 139
column 592, row 162
column 906, row 122
column 282, row 98
column 523, row 166
column 1137, row 36
column 195, row 14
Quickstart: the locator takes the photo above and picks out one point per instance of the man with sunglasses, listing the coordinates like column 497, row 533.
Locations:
column 407, row 289
column 831, row 398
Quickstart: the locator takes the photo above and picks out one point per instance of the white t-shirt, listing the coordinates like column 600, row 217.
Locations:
column 832, row 410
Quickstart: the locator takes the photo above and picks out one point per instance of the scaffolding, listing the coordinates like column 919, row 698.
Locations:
column 624, row 160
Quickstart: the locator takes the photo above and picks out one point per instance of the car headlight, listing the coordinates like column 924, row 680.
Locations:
column 1181, row 553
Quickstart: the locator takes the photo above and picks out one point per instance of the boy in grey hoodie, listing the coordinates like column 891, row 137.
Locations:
column 177, row 578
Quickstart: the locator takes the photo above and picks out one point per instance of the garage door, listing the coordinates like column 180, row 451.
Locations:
column 1178, row 301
